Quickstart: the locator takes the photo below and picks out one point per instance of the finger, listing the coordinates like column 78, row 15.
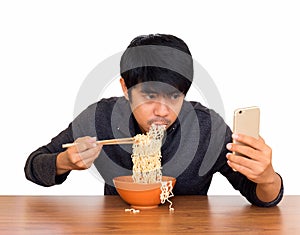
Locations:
column 240, row 168
column 85, row 139
column 85, row 143
column 244, row 150
column 84, row 163
column 91, row 153
column 80, row 147
column 249, row 140
column 240, row 164
column 238, row 160
column 83, row 160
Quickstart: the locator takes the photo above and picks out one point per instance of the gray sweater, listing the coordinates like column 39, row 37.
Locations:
column 193, row 150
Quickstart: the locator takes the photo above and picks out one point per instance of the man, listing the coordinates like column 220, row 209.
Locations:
column 156, row 74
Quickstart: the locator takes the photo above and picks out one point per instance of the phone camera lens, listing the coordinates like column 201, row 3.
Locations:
column 240, row 112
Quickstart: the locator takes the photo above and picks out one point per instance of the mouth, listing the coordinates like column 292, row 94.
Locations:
column 164, row 124
column 161, row 122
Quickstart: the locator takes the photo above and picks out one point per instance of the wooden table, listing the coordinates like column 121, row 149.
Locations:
column 106, row 215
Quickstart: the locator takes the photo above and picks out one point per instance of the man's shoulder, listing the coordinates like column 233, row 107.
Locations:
column 203, row 113
column 102, row 107
column 112, row 107
column 199, row 108
column 107, row 103
column 111, row 100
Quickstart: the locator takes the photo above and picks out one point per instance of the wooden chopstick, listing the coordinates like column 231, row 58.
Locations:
column 106, row 142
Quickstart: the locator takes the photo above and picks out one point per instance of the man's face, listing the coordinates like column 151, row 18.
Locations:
column 157, row 103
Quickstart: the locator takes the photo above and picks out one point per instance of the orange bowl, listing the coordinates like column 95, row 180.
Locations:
column 139, row 195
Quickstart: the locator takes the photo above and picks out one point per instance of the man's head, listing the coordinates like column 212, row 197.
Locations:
column 157, row 72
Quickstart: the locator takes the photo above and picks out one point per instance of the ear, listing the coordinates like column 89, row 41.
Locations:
column 124, row 88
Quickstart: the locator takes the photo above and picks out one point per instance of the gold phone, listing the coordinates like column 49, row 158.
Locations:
column 246, row 121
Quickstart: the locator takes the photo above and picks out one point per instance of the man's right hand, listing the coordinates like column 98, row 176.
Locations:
column 78, row 157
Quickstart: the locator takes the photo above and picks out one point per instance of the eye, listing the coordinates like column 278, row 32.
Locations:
column 151, row 96
column 175, row 96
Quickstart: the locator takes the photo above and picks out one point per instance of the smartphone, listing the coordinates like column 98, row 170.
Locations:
column 246, row 121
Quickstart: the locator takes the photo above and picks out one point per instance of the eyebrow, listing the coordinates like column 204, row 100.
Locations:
column 159, row 90
column 148, row 90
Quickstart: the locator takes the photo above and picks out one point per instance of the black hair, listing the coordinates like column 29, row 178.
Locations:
column 157, row 57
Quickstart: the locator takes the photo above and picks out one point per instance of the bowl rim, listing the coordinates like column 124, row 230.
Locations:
column 121, row 182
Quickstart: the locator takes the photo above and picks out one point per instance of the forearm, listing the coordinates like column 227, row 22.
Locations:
column 269, row 192
column 249, row 189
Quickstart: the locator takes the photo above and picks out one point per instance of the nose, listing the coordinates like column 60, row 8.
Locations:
column 161, row 109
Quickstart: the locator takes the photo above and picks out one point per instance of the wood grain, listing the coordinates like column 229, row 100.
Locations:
column 106, row 215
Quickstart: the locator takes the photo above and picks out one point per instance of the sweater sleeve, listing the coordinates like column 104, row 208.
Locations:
column 40, row 166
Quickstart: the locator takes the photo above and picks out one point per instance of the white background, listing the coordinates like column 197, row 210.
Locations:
column 251, row 50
